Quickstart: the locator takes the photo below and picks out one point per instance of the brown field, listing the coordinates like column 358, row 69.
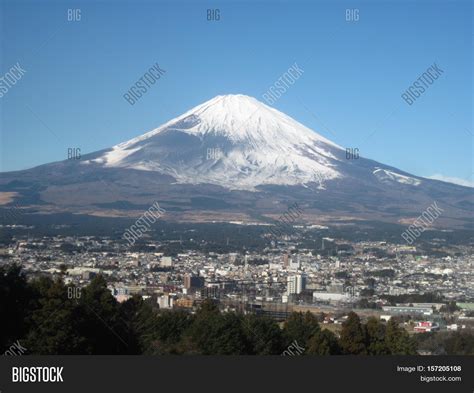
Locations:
column 7, row 197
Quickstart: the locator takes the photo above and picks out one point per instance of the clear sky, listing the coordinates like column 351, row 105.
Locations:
column 350, row 92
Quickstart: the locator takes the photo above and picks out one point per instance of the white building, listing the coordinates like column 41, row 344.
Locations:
column 296, row 284
column 332, row 296
column 166, row 262
column 165, row 301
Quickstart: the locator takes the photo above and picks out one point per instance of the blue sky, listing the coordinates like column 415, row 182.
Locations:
column 354, row 73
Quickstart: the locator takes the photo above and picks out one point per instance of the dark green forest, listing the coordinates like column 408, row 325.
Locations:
column 48, row 317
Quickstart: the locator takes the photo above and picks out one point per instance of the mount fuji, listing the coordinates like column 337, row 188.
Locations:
column 233, row 141
column 234, row 158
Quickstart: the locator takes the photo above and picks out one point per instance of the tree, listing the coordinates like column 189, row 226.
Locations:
column 353, row 339
column 101, row 324
column 141, row 321
column 168, row 332
column 16, row 301
column 397, row 339
column 263, row 334
column 213, row 333
column 459, row 343
column 63, row 269
column 375, row 334
column 450, row 307
column 300, row 327
column 55, row 322
column 324, row 342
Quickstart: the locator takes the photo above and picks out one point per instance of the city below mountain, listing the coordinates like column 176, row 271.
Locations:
column 234, row 158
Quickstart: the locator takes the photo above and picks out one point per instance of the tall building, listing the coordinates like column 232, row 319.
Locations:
column 212, row 292
column 192, row 281
column 296, row 284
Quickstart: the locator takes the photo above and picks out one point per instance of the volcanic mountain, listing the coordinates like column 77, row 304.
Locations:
column 233, row 141
column 234, row 158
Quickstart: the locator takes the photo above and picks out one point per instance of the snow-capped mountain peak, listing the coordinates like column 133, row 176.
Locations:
column 231, row 140
column 241, row 118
